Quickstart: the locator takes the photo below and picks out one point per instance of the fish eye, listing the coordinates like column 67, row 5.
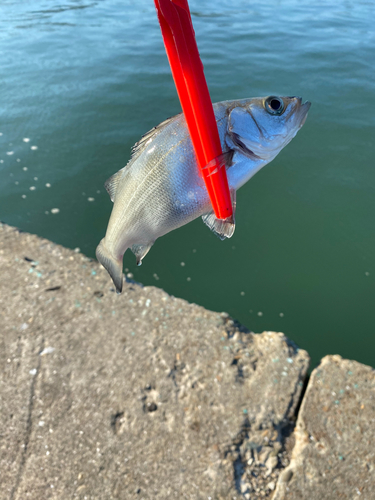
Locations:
column 274, row 105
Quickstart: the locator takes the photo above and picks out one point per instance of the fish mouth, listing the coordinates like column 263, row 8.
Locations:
column 302, row 110
column 305, row 108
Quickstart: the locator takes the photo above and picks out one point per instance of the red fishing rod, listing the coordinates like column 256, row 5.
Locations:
column 187, row 70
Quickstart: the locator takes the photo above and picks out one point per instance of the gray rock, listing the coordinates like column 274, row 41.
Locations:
column 334, row 454
column 140, row 396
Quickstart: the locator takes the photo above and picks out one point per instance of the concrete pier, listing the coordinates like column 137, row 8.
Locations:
column 146, row 396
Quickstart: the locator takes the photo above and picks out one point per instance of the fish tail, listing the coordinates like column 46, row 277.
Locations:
column 111, row 264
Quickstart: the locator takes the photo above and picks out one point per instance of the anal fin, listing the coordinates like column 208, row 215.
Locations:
column 140, row 251
column 223, row 228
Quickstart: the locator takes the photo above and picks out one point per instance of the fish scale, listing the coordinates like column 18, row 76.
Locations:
column 161, row 188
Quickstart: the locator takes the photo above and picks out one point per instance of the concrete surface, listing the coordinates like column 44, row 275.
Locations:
column 140, row 395
column 146, row 396
column 334, row 454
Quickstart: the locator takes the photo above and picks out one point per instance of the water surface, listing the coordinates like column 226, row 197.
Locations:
column 82, row 80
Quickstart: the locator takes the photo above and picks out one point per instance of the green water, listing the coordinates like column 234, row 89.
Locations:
column 83, row 80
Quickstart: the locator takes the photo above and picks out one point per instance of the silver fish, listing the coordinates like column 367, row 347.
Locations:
column 161, row 188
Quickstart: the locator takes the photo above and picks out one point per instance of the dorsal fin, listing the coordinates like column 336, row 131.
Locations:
column 149, row 136
column 112, row 183
column 223, row 228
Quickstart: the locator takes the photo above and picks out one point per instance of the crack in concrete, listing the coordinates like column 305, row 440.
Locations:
column 284, row 429
column 29, row 424
column 300, row 379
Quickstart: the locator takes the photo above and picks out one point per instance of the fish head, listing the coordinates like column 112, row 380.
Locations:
column 259, row 128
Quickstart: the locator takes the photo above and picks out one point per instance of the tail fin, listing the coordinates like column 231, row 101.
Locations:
column 111, row 264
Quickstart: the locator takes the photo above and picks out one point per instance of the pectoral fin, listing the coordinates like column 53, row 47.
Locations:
column 223, row 228
column 223, row 160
